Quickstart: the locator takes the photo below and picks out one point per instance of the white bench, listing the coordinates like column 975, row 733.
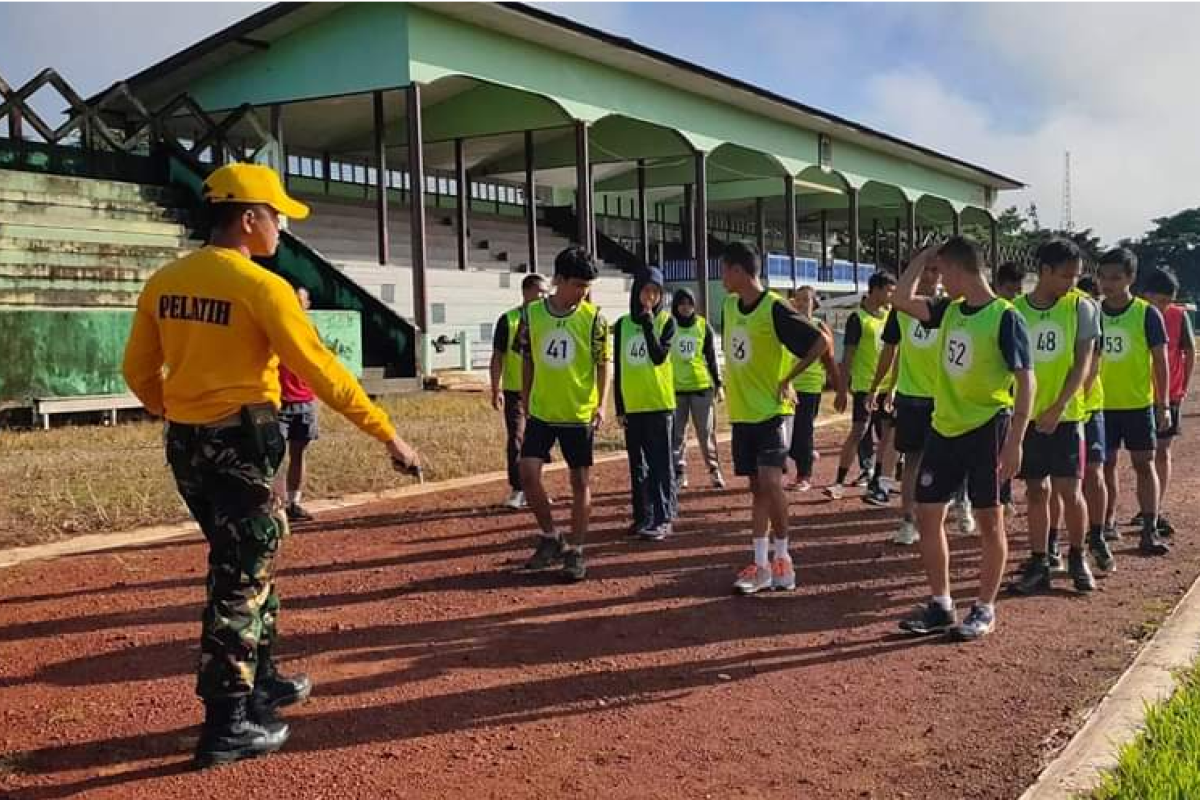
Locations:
column 45, row 407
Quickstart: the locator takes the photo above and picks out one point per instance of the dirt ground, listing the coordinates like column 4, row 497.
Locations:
column 440, row 674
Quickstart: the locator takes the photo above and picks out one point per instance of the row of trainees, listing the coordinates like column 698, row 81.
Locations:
column 928, row 384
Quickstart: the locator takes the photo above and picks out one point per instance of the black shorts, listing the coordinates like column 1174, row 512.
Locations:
column 575, row 441
column 1093, row 439
column 1054, row 455
column 914, row 421
column 1172, row 431
column 1133, row 428
column 759, row 444
column 859, row 412
column 298, row 422
column 975, row 457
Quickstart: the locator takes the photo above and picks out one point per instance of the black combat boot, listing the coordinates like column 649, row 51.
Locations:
column 228, row 734
column 273, row 691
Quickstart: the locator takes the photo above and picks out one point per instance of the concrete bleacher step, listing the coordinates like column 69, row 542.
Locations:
column 65, row 190
column 31, row 215
column 71, row 235
column 85, row 212
column 35, row 252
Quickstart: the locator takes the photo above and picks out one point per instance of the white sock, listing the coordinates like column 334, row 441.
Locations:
column 761, row 546
column 944, row 601
column 294, row 497
column 781, row 548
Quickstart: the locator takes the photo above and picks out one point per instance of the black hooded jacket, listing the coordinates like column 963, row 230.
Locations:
column 658, row 348
column 708, row 347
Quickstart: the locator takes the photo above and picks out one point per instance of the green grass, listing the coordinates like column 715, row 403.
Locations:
column 1163, row 762
column 92, row 479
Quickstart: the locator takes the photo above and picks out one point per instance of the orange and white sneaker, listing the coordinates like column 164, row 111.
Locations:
column 783, row 575
column 752, row 580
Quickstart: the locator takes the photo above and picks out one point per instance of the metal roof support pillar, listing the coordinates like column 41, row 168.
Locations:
column 826, row 267
column 701, row 232
column 583, row 187
column 382, row 240
column 760, row 235
column 416, row 171
column 876, row 242
column 685, row 222
column 462, row 186
column 956, row 221
column 994, row 245
column 643, row 222
column 910, row 209
column 277, row 135
column 899, row 246
column 789, row 224
column 852, row 216
column 530, row 205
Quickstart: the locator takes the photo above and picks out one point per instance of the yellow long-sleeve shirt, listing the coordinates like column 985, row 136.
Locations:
column 207, row 337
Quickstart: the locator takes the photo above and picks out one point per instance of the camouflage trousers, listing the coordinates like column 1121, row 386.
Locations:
column 224, row 476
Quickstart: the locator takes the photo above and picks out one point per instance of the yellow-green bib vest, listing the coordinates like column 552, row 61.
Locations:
column 973, row 377
column 1126, row 367
column 514, row 362
column 866, row 352
column 645, row 386
column 918, row 354
column 564, row 372
column 687, row 357
column 1052, row 339
column 756, row 362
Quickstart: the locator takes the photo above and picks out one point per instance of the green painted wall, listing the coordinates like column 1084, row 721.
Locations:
column 68, row 353
column 357, row 48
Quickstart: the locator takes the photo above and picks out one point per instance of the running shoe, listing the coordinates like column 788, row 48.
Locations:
column 876, row 496
column 1098, row 546
column 297, row 513
column 907, row 535
column 656, row 534
column 1111, row 534
column 1077, row 568
column 1137, row 520
column 979, row 623
column 864, row 478
column 929, row 619
column 835, row 491
column 548, row 553
column 964, row 518
column 783, row 575
column 718, row 480
column 1035, row 577
column 574, row 569
column 516, row 500
column 802, row 485
column 1152, row 545
column 1165, row 529
column 683, row 481
column 753, row 579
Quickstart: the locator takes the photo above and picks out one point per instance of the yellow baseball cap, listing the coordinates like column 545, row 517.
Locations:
column 252, row 183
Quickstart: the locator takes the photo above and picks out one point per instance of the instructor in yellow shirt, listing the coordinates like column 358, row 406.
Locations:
column 204, row 351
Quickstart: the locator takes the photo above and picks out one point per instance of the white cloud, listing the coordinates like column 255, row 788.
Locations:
column 1116, row 85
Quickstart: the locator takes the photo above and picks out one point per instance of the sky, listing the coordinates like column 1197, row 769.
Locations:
column 1008, row 86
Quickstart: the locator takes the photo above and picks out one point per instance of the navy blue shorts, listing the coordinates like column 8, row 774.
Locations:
column 1133, row 428
column 974, row 457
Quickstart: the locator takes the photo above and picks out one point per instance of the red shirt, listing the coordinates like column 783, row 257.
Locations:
column 293, row 388
column 1174, row 320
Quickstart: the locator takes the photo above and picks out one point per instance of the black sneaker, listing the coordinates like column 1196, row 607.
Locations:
column 1137, row 520
column 228, row 734
column 1111, row 534
column 296, row 513
column 876, row 495
column 864, row 478
column 1152, row 545
column 979, row 623
column 929, row 619
column 656, row 534
column 547, row 554
column 1098, row 546
column 1034, row 578
column 1054, row 555
column 574, row 570
column 1165, row 529
column 1077, row 568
